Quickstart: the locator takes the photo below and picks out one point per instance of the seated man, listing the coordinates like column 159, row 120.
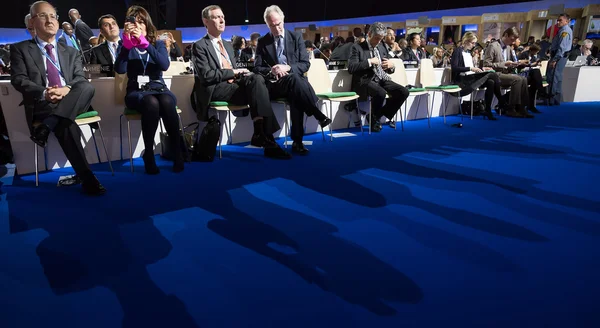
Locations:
column 50, row 77
column 496, row 56
column 281, row 56
column 106, row 52
column 217, row 80
column 368, row 64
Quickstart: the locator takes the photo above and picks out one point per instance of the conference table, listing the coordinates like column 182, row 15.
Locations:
column 110, row 107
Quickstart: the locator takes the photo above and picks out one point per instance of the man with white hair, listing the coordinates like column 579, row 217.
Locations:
column 28, row 25
column 281, row 57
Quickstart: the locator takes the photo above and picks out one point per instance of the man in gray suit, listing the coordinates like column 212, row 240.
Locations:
column 498, row 56
column 55, row 90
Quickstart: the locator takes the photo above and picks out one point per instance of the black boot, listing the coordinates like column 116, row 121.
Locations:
column 258, row 138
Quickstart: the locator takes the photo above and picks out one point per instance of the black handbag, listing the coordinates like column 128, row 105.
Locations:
column 205, row 148
column 478, row 107
column 187, row 141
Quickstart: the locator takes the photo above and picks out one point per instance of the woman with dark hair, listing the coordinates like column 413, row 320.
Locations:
column 414, row 52
column 238, row 43
column 463, row 74
column 144, row 58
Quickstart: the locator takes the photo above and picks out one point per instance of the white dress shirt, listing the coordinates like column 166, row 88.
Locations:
column 113, row 51
column 215, row 42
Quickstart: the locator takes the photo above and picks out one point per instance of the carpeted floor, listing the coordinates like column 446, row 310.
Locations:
column 495, row 224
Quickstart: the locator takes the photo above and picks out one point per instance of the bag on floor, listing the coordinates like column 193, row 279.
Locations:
column 206, row 146
column 478, row 107
column 187, row 141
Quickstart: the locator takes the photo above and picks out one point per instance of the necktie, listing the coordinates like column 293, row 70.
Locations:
column 281, row 58
column 224, row 62
column 378, row 69
column 51, row 70
column 114, row 53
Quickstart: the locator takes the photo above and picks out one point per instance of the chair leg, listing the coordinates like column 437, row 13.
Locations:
column 460, row 107
column 162, row 131
column 322, row 129
column 105, row 150
column 286, row 126
column 418, row 105
column 121, row 136
column 220, row 140
column 35, row 159
column 370, row 116
column 402, row 120
column 430, row 111
column 362, row 131
column 130, row 148
column 472, row 100
column 230, row 141
column 331, row 116
column 95, row 144
column 183, row 132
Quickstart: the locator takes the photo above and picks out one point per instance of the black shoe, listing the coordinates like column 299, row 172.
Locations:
column 392, row 124
column 91, row 186
column 325, row 122
column 489, row 116
column 258, row 140
column 277, row 153
column 534, row 110
column 376, row 127
column 150, row 163
column 40, row 135
column 298, row 148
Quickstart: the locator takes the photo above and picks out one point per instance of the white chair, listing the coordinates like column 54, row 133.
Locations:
column 399, row 76
column 319, row 79
column 427, row 81
column 223, row 106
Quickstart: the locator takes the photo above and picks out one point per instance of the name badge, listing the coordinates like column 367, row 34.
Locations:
column 142, row 79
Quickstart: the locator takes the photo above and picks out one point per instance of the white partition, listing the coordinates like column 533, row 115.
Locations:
column 580, row 84
column 110, row 110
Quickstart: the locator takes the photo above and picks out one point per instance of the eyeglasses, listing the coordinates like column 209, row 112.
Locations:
column 45, row 16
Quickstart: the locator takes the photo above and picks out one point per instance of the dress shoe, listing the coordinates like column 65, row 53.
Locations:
column 392, row 124
column 325, row 122
column 488, row 115
column 298, row 148
column 258, row 140
column 150, row 163
column 91, row 186
column 40, row 135
column 277, row 153
column 376, row 127
column 534, row 110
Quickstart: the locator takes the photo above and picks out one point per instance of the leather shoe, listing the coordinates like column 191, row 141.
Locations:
column 258, row 140
column 40, row 135
column 277, row 153
column 325, row 122
column 534, row 110
column 298, row 148
column 91, row 186
column 392, row 124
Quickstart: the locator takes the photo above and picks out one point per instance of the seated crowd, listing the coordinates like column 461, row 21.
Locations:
column 48, row 71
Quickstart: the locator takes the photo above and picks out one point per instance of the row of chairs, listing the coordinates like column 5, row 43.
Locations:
column 318, row 76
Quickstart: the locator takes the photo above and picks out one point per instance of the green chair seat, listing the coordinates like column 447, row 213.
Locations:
column 336, row 94
column 416, row 89
column 218, row 103
column 442, row 87
column 87, row 114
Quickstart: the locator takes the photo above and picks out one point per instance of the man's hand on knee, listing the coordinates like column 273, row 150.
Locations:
column 56, row 94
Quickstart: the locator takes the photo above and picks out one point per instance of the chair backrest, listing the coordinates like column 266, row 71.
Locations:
column 318, row 76
column 544, row 67
column 426, row 74
column 120, row 88
column 399, row 75
column 342, row 82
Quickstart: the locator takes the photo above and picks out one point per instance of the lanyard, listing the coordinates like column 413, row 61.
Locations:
column 145, row 64
column 73, row 42
column 50, row 58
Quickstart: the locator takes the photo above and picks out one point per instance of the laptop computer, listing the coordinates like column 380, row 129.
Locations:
column 580, row 61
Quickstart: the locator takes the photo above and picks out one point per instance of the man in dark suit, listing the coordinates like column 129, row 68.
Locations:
column 67, row 38
column 83, row 33
column 106, row 53
column 217, row 80
column 50, row 77
column 282, row 58
column 369, row 66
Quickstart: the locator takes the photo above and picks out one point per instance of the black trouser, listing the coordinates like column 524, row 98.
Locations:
column 378, row 90
column 302, row 98
column 535, row 85
column 66, row 131
column 250, row 90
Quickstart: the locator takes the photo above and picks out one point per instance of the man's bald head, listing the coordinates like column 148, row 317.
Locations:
column 74, row 15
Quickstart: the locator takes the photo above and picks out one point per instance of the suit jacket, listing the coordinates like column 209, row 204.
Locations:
column 358, row 65
column 457, row 62
column 28, row 74
column 83, row 33
column 295, row 51
column 246, row 54
column 409, row 55
column 493, row 57
column 100, row 54
column 64, row 39
column 208, row 73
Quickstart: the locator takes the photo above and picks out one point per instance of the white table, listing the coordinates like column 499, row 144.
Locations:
column 110, row 109
column 580, row 84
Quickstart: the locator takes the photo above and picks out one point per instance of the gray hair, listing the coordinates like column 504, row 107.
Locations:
column 377, row 28
column 273, row 9
column 588, row 41
column 27, row 19
column 206, row 11
column 33, row 8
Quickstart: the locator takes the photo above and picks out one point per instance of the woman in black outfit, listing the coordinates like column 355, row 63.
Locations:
column 462, row 63
column 144, row 58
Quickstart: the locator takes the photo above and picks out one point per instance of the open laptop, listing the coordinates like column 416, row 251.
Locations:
column 580, row 61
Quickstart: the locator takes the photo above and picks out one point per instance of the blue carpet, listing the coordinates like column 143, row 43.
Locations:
column 493, row 225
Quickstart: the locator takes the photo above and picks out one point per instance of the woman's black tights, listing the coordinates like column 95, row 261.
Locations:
column 492, row 88
column 154, row 107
